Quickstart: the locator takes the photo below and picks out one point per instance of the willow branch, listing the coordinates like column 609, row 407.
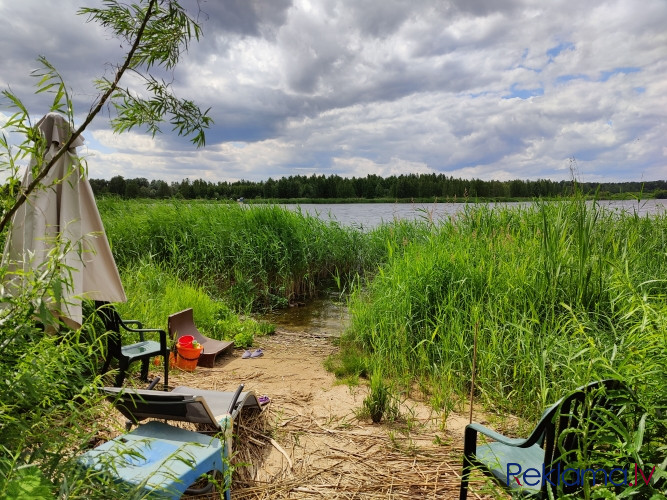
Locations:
column 119, row 74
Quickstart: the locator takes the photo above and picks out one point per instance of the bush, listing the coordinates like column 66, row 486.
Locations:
column 154, row 293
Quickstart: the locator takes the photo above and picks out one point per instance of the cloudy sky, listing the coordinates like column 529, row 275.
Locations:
column 488, row 89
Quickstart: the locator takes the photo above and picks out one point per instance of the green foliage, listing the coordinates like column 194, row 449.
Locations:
column 563, row 292
column 154, row 293
column 243, row 339
column 159, row 33
column 380, row 401
column 49, row 403
column 28, row 484
column 351, row 362
column 408, row 188
column 259, row 257
column 48, row 397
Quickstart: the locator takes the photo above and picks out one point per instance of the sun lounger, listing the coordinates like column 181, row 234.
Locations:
column 182, row 323
column 163, row 459
column 185, row 404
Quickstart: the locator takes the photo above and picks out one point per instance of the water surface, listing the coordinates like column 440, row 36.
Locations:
column 325, row 315
column 370, row 215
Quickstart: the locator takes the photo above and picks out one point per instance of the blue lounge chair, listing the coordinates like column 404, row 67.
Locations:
column 164, row 460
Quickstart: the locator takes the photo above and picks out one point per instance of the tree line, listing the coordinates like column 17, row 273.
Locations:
column 409, row 186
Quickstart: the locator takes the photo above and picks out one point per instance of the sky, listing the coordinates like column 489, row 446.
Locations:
column 486, row 89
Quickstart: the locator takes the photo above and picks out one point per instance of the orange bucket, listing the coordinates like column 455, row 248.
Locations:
column 187, row 357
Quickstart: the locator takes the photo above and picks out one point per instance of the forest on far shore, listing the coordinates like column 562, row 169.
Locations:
column 371, row 187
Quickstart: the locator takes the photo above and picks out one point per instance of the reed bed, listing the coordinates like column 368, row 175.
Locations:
column 258, row 257
column 560, row 293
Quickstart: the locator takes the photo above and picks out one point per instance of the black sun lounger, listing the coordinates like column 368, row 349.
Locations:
column 185, row 404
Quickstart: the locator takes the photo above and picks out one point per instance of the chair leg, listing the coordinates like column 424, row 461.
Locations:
column 122, row 368
column 165, row 362
column 465, row 477
column 107, row 363
column 469, row 450
column 144, row 369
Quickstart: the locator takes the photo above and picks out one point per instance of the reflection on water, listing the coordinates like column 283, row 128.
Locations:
column 326, row 315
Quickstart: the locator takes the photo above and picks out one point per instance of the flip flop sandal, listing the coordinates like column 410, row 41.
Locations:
column 257, row 354
column 246, row 355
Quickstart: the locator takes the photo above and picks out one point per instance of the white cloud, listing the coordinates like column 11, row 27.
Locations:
column 487, row 89
column 361, row 167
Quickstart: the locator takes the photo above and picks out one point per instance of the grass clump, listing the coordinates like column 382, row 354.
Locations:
column 380, row 402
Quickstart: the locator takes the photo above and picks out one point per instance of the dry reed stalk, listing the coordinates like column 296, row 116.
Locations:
column 366, row 467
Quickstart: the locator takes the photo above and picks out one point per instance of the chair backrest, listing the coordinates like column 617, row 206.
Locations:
column 111, row 320
column 108, row 314
column 571, row 423
column 137, row 405
column 182, row 323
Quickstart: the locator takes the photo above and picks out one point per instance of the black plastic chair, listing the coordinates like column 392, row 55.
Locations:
column 142, row 351
column 556, row 439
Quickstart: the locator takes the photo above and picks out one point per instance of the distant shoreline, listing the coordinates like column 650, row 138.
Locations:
column 332, row 201
column 325, row 201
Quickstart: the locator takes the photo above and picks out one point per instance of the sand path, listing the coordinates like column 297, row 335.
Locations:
column 310, row 443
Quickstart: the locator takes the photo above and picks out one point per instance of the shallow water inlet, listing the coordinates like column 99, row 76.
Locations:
column 326, row 315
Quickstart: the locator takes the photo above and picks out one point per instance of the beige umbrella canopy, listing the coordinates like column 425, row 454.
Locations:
column 64, row 211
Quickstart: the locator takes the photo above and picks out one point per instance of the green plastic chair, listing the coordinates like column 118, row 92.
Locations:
column 142, row 351
column 555, row 440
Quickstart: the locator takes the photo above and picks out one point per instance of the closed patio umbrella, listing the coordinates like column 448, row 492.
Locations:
column 64, row 211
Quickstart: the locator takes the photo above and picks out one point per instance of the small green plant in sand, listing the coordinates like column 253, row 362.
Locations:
column 349, row 363
column 380, row 401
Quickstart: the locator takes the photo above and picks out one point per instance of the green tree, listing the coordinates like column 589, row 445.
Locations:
column 117, row 185
column 132, row 189
column 157, row 32
column 47, row 382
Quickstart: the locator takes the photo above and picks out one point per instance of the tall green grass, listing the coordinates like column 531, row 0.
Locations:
column 154, row 292
column 50, row 407
column 257, row 257
column 561, row 293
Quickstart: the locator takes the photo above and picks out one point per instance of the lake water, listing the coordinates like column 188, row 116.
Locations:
column 325, row 315
column 370, row 215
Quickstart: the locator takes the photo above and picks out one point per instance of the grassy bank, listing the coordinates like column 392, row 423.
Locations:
column 255, row 257
column 560, row 293
column 552, row 289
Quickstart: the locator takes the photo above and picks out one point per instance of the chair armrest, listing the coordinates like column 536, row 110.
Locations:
column 141, row 331
column 475, row 427
column 136, row 322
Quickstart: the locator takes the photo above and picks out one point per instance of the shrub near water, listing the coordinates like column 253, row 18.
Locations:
column 259, row 257
column 562, row 293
